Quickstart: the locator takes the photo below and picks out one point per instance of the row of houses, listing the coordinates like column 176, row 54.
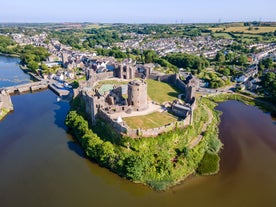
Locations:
column 251, row 71
column 205, row 45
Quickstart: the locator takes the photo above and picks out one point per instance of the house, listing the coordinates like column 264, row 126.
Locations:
column 59, row 77
column 241, row 79
column 273, row 56
column 52, row 64
column 70, row 74
column 180, row 109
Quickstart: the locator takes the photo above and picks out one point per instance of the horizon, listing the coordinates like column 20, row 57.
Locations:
column 141, row 23
column 142, row 12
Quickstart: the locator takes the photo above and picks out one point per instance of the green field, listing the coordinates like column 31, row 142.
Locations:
column 161, row 92
column 248, row 35
column 244, row 29
column 222, row 35
column 150, row 121
column 96, row 26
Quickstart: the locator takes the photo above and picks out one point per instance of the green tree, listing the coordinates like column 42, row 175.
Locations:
column 220, row 57
column 150, row 56
column 242, row 60
column 33, row 65
column 137, row 165
column 269, row 83
column 183, row 60
column 266, row 63
column 107, row 153
column 44, row 67
column 226, row 72
column 209, row 164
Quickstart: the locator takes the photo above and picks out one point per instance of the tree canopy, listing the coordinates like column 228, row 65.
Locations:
column 32, row 56
column 269, row 83
column 188, row 61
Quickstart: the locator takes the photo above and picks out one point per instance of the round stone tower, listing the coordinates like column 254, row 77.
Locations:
column 137, row 95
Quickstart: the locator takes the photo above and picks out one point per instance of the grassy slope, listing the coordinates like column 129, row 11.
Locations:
column 159, row 162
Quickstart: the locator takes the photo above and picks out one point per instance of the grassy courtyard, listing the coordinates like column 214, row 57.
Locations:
column 161, row 92
column 111, row 82
column 150, row 121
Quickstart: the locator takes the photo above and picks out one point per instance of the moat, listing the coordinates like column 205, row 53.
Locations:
column 41, row 165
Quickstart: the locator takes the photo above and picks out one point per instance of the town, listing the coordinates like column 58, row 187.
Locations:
column 71, row 64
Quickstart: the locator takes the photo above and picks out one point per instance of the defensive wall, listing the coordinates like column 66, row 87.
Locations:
column 96, row 108
column 123, row 129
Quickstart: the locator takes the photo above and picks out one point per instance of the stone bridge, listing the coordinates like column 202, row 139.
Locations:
column 26, row 88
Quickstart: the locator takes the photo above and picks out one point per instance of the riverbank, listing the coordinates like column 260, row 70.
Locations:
column 4, row 112
column 160, row 162
column 10, row 55
column 256, row 101
column 5, row 105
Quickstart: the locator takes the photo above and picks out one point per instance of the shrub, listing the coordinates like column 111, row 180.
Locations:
column 209, row 164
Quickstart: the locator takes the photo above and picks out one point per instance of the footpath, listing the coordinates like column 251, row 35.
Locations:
column 197, row 139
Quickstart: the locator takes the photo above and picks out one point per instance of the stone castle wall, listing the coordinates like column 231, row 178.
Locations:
column 136, row 133
column 125, row 71
column 93, row 103
column 118, row 127
column 124, row 130
column 137, row 95
column 93, row 76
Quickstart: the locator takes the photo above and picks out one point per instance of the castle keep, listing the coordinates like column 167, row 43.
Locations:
column 137, row 95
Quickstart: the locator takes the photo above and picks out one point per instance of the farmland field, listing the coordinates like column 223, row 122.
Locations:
column 254, row 30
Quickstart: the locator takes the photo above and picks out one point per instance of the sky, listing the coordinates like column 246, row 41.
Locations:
column 140, row 11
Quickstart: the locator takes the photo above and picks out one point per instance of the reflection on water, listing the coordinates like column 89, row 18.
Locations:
column 10, row 73
column 41, row 165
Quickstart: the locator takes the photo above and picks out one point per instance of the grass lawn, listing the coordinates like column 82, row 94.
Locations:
column 150, row 121
column 111, row 82
column 161, row 92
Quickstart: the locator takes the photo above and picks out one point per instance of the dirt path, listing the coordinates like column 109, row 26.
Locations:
column 197, row 139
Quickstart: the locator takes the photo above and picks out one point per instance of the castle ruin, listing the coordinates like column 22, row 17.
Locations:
column 113, row 104
column 113, row 101
column 137, row 95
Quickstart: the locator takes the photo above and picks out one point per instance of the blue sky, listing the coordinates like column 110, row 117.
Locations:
column 140, row 11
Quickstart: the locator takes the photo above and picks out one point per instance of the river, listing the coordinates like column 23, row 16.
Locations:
column 41, row 165
column 10, row 73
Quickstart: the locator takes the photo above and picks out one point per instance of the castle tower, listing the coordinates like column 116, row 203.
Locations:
column 126, row 72
column 137, row 95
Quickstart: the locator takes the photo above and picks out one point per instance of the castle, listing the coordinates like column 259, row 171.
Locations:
column 111, row 104
column 137, row 95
